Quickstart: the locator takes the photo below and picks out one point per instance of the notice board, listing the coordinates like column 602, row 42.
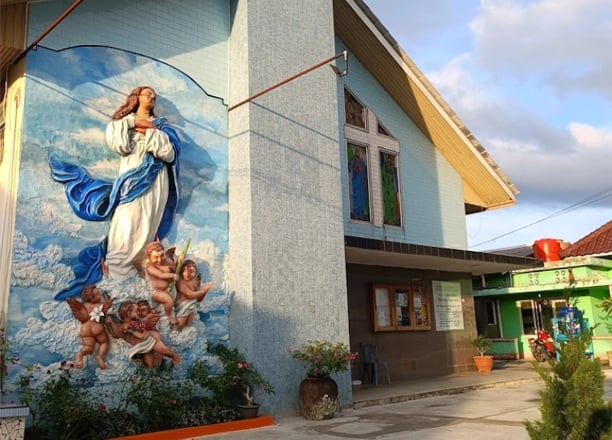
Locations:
column 447, row 305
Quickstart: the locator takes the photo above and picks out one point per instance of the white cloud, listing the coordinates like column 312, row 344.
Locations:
column 591, row 137
column 564, row 42
column 530, row 79
column 90, row 136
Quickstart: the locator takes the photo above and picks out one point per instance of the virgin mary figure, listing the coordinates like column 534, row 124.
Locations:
column 140, row 203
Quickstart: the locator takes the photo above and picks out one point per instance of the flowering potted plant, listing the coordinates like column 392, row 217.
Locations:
column 323, row 358
column 318, row 391
column 237, row 378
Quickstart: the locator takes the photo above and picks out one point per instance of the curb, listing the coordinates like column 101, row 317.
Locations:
column 441, row 392
column 198, row 431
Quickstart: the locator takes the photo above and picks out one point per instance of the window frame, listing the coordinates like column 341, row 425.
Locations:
column 491, row 306
column 387, row 307
column 367, row 148
column 365, row 114
column 375, row 143
column 398, row 194
column 534, row 318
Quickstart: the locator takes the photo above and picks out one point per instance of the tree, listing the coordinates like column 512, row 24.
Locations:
column 572, row 406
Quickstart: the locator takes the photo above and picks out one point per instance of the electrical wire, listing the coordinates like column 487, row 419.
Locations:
column 607, row 192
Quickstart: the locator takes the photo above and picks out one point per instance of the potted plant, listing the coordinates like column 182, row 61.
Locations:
column 239, row 383
column 318, row 391
column 484, row 363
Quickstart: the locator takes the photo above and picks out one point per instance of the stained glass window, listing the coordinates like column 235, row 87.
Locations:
column 389, row 181
column 359, row 194
column 354, row 111
column 373, row 166
column 382, row 130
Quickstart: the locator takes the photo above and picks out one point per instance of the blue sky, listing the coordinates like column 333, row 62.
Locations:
column 531, row 80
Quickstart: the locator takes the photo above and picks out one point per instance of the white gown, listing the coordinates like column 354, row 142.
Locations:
column 135, row 224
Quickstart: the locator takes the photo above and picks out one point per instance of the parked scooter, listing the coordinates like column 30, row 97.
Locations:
column 543, row 346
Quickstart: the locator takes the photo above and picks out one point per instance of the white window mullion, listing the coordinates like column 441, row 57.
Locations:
column 375, row 143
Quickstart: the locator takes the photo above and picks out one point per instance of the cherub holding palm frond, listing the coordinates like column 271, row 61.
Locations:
column 160, row 269
column 188, row 292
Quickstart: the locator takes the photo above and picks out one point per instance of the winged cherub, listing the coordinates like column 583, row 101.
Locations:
column 141, row 334
column 188, row 292
column 160, row 268
column 90, row 311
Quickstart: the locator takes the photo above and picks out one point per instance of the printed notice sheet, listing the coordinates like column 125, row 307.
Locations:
column 447, row 305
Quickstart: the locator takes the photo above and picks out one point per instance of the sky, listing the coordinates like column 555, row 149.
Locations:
column 531, row 79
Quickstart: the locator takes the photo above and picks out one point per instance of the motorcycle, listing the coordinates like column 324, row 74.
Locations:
column 542, row 346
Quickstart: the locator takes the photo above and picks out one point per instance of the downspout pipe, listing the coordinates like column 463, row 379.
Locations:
column 52, row 26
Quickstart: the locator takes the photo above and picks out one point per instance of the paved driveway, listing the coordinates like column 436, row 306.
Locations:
column 498, row 411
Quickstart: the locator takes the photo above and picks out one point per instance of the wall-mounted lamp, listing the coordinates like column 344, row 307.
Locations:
column 338, row 72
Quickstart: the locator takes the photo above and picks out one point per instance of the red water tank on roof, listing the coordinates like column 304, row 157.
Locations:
column 547, row 249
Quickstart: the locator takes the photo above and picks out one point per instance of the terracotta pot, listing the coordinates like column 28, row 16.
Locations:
column 248, row 411
column 484, row 364
column 318, row 397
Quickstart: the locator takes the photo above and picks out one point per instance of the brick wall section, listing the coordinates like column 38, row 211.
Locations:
column 410, row 354
column 182, row 33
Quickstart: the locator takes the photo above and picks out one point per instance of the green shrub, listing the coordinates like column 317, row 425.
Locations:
column 233, row 380
column 482, row 344
column 572, row 406
column 149, row 400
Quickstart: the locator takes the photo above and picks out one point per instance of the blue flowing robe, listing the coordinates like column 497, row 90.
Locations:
column 140, row 203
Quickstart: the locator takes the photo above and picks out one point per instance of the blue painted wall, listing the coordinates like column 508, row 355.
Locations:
column 431, row 189
column 191, row 35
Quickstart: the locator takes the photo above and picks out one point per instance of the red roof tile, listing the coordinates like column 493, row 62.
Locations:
column 595, row 243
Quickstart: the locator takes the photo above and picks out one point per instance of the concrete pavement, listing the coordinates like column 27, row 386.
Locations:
column 460, row 406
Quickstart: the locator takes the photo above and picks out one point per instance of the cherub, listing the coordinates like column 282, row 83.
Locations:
column 188, row 292
column 160, row 267
column 141, row 334
column 144, row 308
column 90, row 311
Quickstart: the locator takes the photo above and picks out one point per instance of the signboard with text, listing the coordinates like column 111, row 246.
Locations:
column 447, row 305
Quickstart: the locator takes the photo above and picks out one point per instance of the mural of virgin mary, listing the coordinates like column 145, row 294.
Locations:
column 140, row 203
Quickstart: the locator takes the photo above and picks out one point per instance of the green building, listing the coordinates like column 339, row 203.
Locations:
column 510, row 307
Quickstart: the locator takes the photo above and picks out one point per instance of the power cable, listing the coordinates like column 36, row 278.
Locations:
column 591, row 199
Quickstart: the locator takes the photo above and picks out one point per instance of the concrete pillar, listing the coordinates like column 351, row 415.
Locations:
column 286, row 247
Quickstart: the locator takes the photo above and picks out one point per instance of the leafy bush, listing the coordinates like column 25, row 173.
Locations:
column 572, row 406
column 482, row 344
column 323, row 358
column 149, row 400
column 7, row 357
column 236, row 381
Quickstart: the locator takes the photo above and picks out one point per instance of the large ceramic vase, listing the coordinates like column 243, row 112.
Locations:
column 318, row 397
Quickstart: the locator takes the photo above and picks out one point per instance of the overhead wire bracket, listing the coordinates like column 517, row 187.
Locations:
column 337, row 71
